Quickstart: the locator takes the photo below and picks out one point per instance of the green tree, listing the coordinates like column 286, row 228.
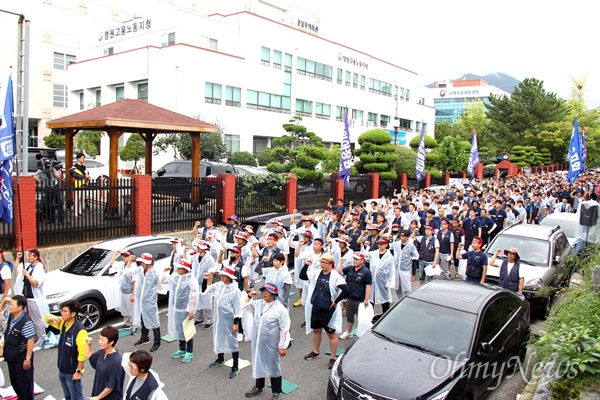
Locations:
column 241, row 158
column 88, row 142
column 376, row 153
column 519, row 119
column 55, row 140
column 266, row 157
column 474, row 117
column 407, row 161
column 134, row 149
column 443, row 129
column 588, row 118
column 453, row 154
column 430, row 142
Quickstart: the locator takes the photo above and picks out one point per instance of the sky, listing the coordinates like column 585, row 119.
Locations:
column 550, row 40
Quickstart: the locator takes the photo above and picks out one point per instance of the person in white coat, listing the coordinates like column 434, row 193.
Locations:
column 183, row 298
column 126, row 286
column 270, row 339
column 203, row 262
column 323, row 311
column 404, row 254
column 148, row 284
column 381, row 264
column 30, row 283
column 227, row 317
column 144, row 383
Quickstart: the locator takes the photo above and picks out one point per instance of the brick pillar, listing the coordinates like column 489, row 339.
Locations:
column 479, row 171
column 337, row 187
column 464, row 174
column 24, row 215
column 226, row 195
column 427, row 180
column 141, row 204
column 446, row 178
column 290, row 192
column 404, row 180
column 373, row 185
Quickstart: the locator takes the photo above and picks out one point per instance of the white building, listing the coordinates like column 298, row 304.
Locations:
column 249, row 70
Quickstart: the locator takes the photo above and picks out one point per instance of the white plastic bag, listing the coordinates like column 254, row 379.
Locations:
column 365, row 316
column 247, row 319
column 462, row 269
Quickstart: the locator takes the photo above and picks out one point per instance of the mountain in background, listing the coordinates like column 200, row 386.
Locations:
column 498, row 79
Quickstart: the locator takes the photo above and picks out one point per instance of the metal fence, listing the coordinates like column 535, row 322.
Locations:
column 357, row 190
column 179, row 202
column 7, row 235
column 93, row 212
column 252, row 200
column 312, row 194
column 386, row 188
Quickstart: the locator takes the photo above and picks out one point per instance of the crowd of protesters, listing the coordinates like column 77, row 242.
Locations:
column 345, row 258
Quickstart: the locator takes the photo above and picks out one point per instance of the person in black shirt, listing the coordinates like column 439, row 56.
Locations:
column 359, row 281
column 109, row 376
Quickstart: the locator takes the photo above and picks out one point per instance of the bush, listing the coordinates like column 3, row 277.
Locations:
column 435, row 173
column 278, row 168
column 55, row 141
column 266, row 157
column 407, row 161
column 242, row 158
column 430, row 143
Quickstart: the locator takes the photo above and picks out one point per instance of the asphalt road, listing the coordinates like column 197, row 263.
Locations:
column 196, row 381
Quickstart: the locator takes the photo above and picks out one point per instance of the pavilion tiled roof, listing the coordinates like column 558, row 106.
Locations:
column 132, row 115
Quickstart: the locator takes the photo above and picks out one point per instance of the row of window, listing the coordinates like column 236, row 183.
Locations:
column 60, row 94
column 265, row 58
column 314, row 69
column 62, row 61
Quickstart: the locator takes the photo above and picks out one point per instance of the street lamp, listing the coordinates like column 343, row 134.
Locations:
column 396, row 125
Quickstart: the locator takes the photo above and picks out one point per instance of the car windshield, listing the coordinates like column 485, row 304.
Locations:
column 532, row 251
column 89, row 263
column 441, row 330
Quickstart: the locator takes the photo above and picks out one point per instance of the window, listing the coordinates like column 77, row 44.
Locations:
column 406, row 124
column 288, row 62
column 314, row 69
column 265, row 56
column 212, row 44
column 212, row 93
column 60, row 95
column 185, row 168
column 489, row 325
column 384, row 120
column 372, row 117
column 401, row 93
column 287, row 83
column 232, row 143
column 424, row 127
column 259, row 144
column 340, row 113
column 323, row 110
column 61, row 61
column 277, row 59
column 355, row 80
column 267, row 101
column 304, row 107
column 98, row 97
column 380, row 87
column 158, row 250
column 108, row 51
column 81, row 104
column 168, row 39
column 119, row 93
column 362, row 82
column 357, row 115
column 407, row 95
column 339, row 75
column 233, row 96
column 505, row 308
column 347, row 78
column 143, row 91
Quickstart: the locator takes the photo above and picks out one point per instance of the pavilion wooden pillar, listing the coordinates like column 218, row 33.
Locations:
column 148, row 140
column 112, row 202
column 195, row 169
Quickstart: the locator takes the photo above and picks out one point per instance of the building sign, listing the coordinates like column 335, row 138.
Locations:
column 126, row 28
column 400, row 138
column 352, row 61
column 460, row 92
column 307, row 27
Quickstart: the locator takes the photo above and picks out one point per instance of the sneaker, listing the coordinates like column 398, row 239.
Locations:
column 312, row 355
column 142, row 341
column 298, row 303
column 253, row 392
column 346, row 335
column 198, row 323
column 124, row 326
column 208, row 326
column 134, row 330
column 188, row 357
column 178, row 353
column 275, row 396
column 303, row 325
column 456, row 276
column 240, row 337
column 154, row 347
column 331, row 362
column 234, row 372
column 216, row 364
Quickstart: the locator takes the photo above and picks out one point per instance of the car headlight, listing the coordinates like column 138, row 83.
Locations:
column 54, row 308
column 336, row 374
column 534, row 284
column 56, row 295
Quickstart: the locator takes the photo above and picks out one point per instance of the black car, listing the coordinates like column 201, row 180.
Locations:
column 444, row 340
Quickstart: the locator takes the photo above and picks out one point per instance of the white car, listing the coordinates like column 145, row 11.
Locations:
column 569, row 222
column 88, row 280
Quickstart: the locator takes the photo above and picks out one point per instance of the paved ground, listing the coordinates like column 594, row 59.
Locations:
column 196, row 381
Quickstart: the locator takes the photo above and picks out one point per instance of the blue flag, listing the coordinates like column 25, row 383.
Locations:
column 345, row 153
column 574, row 155
column 7, row 152
column 420, row 167
column 473, row 155
column 583, row 146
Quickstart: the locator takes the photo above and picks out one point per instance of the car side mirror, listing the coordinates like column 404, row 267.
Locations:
column 160, row 172
column 485, row 349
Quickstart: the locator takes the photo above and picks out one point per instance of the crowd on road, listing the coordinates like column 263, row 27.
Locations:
column 345, row 260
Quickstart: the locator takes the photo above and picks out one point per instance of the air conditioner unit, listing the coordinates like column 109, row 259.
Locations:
column 352, row 122
column 369, row 123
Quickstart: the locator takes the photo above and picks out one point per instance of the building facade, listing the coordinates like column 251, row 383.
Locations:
column 451, row 97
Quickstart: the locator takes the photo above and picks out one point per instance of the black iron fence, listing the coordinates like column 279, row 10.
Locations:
column 80, row 214
column 179, row 202
column 7, row 235
column 386, row 188
column 313, row 194
column 256, row 199
column 357, row 190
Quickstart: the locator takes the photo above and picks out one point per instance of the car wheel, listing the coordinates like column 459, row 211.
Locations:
column 548, row 307
column 90, row 314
